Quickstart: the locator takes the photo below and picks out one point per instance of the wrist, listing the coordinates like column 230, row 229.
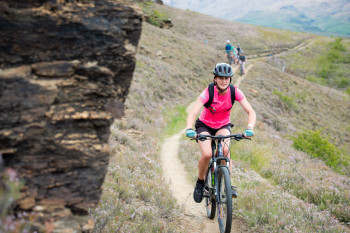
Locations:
column 250, row 126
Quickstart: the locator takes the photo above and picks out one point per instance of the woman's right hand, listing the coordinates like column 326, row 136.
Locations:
column 191, row 133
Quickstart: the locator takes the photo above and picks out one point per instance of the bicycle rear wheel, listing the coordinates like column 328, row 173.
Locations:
column 224, row 202
column 210, row 203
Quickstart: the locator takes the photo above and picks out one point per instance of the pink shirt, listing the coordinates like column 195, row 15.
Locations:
column 222, row 105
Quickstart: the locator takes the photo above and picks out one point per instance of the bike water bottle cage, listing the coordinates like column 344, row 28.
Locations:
column 211, row 96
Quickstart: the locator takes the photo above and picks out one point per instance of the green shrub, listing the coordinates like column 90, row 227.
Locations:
column 347, row 91
column 9, row 192
column 337, row 45
column 302, row 96
column 154, row 17
column 343, row 82
column 287, row 100
column 330, row 63
column 314, row 144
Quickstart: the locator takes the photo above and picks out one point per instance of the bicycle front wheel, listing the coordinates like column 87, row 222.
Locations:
column 224, row 202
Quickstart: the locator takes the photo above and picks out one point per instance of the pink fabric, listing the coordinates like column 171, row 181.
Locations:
column 222, row 104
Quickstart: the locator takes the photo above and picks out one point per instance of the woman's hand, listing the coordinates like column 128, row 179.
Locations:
column 248, row 133
column 191, row 133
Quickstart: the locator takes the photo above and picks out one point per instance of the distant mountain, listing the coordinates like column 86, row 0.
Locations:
column 324, row 17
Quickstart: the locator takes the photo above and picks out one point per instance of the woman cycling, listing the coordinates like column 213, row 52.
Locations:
column 215, row 120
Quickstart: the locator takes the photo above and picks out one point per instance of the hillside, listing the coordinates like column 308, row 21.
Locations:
column 279, row 186
column 326, row 17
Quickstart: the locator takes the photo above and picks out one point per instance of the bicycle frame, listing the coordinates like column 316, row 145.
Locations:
column 215, row 160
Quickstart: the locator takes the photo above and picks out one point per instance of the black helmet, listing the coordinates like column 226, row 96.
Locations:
column 223, row 70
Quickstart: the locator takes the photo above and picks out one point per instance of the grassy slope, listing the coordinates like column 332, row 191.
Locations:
column 320, row 63
column 173, row 66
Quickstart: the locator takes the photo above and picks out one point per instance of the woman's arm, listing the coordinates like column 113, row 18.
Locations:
column 250, row 111
column 194, row 113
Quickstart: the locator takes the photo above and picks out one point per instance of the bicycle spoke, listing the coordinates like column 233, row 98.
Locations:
column 225, row 200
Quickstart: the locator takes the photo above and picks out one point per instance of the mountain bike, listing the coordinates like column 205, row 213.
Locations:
column 217, row 188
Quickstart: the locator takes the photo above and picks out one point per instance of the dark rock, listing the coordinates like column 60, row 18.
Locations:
column 65, row 72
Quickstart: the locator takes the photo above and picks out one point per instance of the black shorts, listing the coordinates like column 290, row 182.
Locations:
column 201, row 127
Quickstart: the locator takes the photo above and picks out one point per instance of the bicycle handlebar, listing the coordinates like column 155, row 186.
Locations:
column 237, row 137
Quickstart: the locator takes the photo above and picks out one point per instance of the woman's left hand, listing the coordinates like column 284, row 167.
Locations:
column 248, row 133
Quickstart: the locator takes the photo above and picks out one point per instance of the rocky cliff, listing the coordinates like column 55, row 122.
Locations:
column 65, row 71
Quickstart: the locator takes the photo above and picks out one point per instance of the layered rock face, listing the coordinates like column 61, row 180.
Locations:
column 65, row 71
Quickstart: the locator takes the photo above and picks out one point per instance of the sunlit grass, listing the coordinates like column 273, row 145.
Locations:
column 176, row 119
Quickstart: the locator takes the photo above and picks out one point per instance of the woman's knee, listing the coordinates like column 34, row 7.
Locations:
column 206, row 155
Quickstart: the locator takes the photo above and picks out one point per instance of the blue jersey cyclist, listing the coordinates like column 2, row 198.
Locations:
column 229, row 52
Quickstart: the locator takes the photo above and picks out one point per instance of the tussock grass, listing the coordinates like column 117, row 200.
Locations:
column 134, row 199
column 298, row 194
column 268, row 208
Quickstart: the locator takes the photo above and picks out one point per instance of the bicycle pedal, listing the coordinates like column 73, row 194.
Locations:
column 206, row 195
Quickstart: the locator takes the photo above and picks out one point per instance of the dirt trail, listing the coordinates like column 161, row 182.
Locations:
column 195, row 219
column 241, row 77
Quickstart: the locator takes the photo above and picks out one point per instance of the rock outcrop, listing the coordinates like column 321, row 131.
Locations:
column 65, row 72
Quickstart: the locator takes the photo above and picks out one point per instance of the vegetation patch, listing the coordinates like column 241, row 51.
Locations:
column 316, row 145
column 287, row 101
column 153, row 16
column 323, row 62
column 175, row 119
column 270, row 209
column 9, row 192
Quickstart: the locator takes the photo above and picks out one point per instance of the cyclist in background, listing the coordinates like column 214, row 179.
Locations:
column 229, row 53
column 238, row 50
column 242, row 60
column 215, row 120
column 235, row 57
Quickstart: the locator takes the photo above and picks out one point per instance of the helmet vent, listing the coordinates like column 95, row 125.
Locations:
column 223, row 70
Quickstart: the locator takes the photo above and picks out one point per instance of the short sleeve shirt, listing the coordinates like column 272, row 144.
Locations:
column 221, row 104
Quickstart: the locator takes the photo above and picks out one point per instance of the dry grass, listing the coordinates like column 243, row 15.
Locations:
column 173, row 66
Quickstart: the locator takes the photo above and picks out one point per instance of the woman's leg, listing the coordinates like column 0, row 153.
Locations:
column 204, row 160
